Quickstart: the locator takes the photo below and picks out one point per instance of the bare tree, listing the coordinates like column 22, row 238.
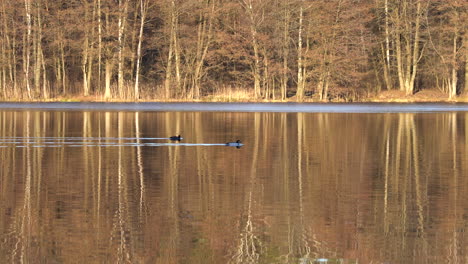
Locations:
column 254, row 21
column 26, row 45
column 407, row 21
column 143, row 10
column 122, row 21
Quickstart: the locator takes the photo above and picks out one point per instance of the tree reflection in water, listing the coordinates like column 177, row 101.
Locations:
column 338, row 187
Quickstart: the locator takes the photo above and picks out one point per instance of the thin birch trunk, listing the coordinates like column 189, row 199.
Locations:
column 27, row 5
column 121, row 23
column 86, row 53
column 84, row 61
column 9, row 51
column 387, row 36
column 14, row 78
column 36, row 59
column 167, row 81
column 98, row 87
column 176, row 48
column 399, row 55
column 248, row 5
column 170, row 56
column 265, row 77
column 466, row 61
column 45, row 91
column 40, row 64
column 3, row 56
column 284, row 84
column 257, row 62
column 6, row 55
column 64, row 74
column 407, row 69
column 134, row 39
column 300, row 66
column 204, row 41
column 108, row 76
column 143, row 8
column 454, row 79
column 387, row 67
column 386, row 70
column 58, row 70
column 416, row 51
column 329, row 53
column 2, row 70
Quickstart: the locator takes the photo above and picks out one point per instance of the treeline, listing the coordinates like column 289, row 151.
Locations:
column 270, row 49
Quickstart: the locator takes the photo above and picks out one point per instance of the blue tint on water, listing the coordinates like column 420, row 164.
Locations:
column 246, row 107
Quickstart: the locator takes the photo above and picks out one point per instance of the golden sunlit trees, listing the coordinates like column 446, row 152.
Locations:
column 267, row 48
column 143, row 10
column 333, row 45
column 445, row 32
column 407, row 20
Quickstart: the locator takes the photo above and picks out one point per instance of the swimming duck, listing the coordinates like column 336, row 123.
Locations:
column 175, row 138
column 236, row 144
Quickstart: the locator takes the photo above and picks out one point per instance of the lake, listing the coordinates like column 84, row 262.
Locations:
column 102, row 183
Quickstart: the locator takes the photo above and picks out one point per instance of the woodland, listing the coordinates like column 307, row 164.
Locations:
column 300, row 50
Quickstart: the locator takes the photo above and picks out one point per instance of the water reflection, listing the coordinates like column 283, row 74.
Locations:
column 306, row 188
column 51, row 142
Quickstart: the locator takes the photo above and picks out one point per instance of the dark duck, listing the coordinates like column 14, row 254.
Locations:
column 236, row 144
column 176, row 138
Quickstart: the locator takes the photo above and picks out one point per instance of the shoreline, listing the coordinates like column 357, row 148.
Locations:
column 290, row 107
column 384, row 97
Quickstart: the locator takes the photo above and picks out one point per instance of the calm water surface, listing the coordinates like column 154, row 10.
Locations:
column 109, row 187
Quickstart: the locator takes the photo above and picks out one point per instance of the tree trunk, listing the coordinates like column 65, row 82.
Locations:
column 327, row 63
column 388, row 80
column 3, row 52
column 284, row 83
column 134, row 38
column 26, row 45
column 176, row 47
column 108, row 77
column 265, row 83
column 399, row 55
column 90, row 69
column 416, row 51
column 98, row 87
column 256, row 67
column 454, row 79
column 300, row 66
column 45, row 91
column 6, row 54
column 64, row 71
column 204, row 41
column 248, row 6
column 387, row 35
column 386, row 49
column 386, row 69
column 143, row 8
column 84, row 61
column 172, row 50
column 122, row 22
column 13, row 63
column 168, row 79
column 40, row 63
column 407, row 70
column 36, row 60
column 9, row 52
column 466, row 61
